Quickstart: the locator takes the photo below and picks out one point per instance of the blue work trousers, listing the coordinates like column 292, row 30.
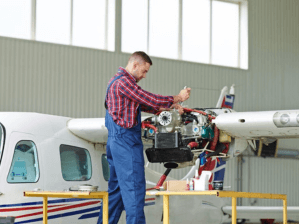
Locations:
column 126, row 186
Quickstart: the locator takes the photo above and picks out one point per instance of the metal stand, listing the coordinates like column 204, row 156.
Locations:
column 70, row 194
column 232, row 194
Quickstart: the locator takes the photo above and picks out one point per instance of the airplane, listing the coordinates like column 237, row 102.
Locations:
column 46, row 152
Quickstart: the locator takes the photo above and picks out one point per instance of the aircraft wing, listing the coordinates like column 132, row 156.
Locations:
column 90, row 129
column 248, row 125
column 256, row 125
column 263, row 212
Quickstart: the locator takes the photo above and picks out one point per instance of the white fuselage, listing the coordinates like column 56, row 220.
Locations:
column 49, row 133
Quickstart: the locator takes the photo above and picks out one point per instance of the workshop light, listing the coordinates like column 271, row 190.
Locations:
column 286, row 119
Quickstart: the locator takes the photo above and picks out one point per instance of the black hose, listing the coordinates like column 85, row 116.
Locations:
column 219, row 148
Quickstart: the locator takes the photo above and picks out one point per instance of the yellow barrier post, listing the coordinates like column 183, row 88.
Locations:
column 70, row 194
column 232, row 194
column 234, row 210
column 45, row 210
column 105, row 208
column 165, row 209
column 285, row 210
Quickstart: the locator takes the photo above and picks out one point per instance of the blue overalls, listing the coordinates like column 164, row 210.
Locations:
column 126, row 186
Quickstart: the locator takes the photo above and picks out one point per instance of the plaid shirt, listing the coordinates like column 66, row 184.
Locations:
column 124, row 97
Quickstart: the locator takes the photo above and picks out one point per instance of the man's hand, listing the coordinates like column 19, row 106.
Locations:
column 178, row 107
column 183, row 95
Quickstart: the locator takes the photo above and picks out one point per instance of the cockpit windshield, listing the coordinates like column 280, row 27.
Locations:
column 1, row 141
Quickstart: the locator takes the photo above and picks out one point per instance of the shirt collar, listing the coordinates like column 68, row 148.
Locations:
column 123, row 71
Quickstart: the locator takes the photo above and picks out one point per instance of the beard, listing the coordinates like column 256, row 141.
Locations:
column 136, row 75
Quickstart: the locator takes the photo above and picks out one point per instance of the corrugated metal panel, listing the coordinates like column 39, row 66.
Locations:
column 271, row 176
column 71, row 81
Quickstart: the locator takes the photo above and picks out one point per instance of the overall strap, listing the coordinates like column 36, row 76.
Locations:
column 139, row 114
column 113, row 80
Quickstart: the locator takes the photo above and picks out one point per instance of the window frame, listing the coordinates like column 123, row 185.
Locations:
column 26, row 36
column 239, row 32
column 243, row 57
column 30, row 140
column 106, row 35
column 61, row 163
column 105, row 155
column 180, row 34
column 2, row 143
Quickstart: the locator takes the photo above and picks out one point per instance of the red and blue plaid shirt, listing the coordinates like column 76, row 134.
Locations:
column 125, row 96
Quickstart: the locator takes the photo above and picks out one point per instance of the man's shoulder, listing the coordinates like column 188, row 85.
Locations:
column 124, row 80
column 118, row 77
column 122, row 77
column 121, row 83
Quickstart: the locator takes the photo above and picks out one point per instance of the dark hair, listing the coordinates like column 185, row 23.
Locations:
column 141, row 55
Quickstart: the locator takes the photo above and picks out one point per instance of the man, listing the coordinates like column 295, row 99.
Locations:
column 124, row 102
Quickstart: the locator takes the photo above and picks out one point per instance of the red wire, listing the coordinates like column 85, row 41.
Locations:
column 146, row 124
column 198, row 111
column 215, row 139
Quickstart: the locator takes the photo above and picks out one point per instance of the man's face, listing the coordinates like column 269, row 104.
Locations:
column 140, row 69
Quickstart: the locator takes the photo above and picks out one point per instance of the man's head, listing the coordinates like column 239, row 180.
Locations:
column 138, row 65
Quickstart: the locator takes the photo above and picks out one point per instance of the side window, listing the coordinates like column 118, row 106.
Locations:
column 2, row 138
column 75, row 163
column 105, row 167
column 24, row 167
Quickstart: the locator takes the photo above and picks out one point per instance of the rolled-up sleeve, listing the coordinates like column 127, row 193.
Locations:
column 149, row 101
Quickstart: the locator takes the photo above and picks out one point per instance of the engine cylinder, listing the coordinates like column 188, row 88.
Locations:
column 169, row 120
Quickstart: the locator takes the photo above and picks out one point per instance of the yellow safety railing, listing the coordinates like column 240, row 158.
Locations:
column 70, row 194
column 231, row 194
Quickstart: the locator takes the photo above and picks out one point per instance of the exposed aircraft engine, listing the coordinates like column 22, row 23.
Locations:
column 168, row 121
column 178, row 140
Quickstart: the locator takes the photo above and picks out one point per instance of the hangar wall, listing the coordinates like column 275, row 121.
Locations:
column 71, row 81
column 270, row 175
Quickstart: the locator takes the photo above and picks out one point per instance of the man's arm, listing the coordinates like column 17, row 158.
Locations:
column 148, row 109
column 136, row 93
